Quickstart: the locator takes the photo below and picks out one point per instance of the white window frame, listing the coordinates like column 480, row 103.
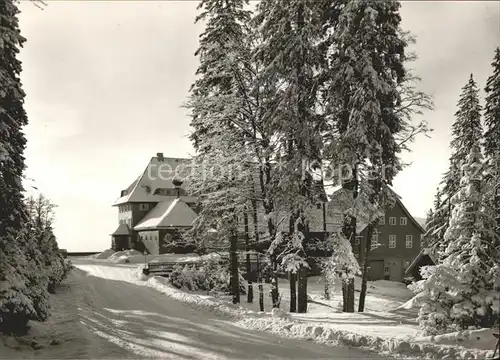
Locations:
column 382, row 220
column 392, row 220
column 375, row 239
column 409, row 240
column 337, row 218
column 403, row 220
column 392, row 241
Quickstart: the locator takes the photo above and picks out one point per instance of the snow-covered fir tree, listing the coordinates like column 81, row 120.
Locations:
column 221, row 45
column 437, row 221
column 23, row 290
column 461, row 288
column 366, row 89
column 492, row 137
column 291, row 57
column 492, row 111
column 41, row 214
column 220, row 111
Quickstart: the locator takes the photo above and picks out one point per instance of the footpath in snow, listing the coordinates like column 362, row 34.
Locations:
column 388, row 326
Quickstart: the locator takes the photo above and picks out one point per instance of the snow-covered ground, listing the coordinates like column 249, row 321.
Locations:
column 114, row 316
column 388, row 325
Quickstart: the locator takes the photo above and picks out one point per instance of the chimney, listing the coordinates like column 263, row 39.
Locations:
column 159, row 156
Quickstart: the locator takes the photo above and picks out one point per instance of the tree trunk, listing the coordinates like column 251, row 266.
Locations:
column 302, row 290
column 261, row 297
column 348, row 287
column 293, row 291
column 349, row 231
column 260, row 287
column 274, row 286
column 325, row 278
column 366, row 247
column 248, row 264
column 233, row 253
column 350, row 296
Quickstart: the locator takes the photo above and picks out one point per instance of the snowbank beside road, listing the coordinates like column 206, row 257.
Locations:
column 383, row 332
column 136, row 257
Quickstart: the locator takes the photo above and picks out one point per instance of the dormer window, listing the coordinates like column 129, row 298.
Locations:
column 169, row 192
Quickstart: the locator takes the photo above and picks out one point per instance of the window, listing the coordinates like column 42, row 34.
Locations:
column 374, row 239
column 358, row 239
column 409, row 241
column 382, row 220
column 392, row 241
column 143, row 207
column 403, row 220
column 392, row 220
column 406, row 264
column 337, row 218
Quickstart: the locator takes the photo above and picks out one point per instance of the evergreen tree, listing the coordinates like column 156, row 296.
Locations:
column 437, row 221
column 221, row 45
column 492, row 111
column 41, row 214
column 291, row 57
column 461, row 288
column 366, row 91
column 466, row 132
column 492, row 137
column 23, row 291
column 219, row 110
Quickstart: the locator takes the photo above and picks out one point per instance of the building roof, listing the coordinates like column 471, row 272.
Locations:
column 166, row 214
column 122, row 229
column 341, row 196
column 158, row 175
column 424, row 252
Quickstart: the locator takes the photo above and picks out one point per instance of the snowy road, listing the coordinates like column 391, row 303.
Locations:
column 137, row 321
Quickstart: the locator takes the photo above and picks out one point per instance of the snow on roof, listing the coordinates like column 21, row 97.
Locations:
column 168, row 213
column 424, row 252
column 122, row 229
column 158, row 175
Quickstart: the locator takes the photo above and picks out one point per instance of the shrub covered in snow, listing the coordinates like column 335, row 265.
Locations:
column 210, row 275
column 461, row 289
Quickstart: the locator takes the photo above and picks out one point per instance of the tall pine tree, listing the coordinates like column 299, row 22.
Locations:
column 492, row 137
column 492, row 111
column 461, row 288
column 291, row 57
column 219, row 110
column 365, row 96
column 466, row 132
column 23, row 290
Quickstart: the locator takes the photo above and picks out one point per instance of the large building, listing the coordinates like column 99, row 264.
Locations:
column 155, row 208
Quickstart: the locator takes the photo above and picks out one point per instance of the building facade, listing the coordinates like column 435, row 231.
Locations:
column 155, row 209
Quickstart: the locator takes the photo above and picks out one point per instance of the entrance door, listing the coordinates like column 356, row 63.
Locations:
column 394, row 269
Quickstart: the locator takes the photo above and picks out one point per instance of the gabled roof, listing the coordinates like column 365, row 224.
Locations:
column 342, row 195
column 122, row 229
column 168, row 213
column 408, row 215
column 157, row 175
column 424, row 252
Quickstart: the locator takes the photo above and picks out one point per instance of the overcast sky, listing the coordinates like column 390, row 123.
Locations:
column 105, row 82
